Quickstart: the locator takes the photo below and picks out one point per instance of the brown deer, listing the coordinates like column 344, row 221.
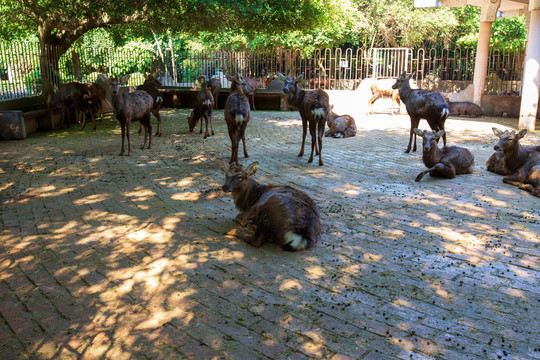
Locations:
column 204, row 108
column 314, row 108
column 237, row 114
column 282, row 214
column 377, row 93
column 96, row 95
column 72, row 96
column 527, row 177
column 128, row 107
column 509, row 154
column 422, row 104
column 254, row 85
column 151, row 85
column 340, row 126
column 214, row 84
column 467, row 109
column 446, row 162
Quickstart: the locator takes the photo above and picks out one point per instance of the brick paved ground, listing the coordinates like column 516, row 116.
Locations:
column 104, row 256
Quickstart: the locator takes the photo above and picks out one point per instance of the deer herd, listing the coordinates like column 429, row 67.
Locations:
column 282, row 214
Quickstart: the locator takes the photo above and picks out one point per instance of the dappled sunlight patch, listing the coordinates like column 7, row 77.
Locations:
column 6, row 185
column 144, row 235
column 437, row 287
column 140, row 194
column 458, row 236
column 515, row 293
column 286, row 122
column 290, row 284
column 371, row 257
column 470, row 210
column 491, row 201
column 92, row 199
column 315, row 347
column 315, row 272
column 187, row 196
column 432, row 216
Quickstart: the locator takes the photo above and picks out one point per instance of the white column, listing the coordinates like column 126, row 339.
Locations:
column 531, row 73
column 487, row 17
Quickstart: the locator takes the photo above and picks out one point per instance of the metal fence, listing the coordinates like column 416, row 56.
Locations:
column 342, row 69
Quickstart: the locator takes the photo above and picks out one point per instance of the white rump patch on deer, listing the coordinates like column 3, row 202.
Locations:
column 159, row 99
column 445, row 112
column 318, row 112
column 239, row 118
column 207, row 102
column 295, row 241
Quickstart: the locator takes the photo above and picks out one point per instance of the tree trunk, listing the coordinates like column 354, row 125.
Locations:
column 173, row 64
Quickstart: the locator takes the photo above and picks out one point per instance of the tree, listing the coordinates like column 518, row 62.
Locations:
column 59, row 23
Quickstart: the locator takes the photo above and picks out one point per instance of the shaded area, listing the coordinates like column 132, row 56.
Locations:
column 126, row 257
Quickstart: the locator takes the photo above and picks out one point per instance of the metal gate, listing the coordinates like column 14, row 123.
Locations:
column 389, row 62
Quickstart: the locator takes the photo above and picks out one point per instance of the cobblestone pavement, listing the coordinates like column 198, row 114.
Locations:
column 103, row 256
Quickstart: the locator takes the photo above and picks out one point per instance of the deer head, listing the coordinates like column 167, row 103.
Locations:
column 236, row 176
column 507, row 138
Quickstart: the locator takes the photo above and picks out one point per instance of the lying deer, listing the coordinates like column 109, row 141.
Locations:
column 314, row 108
column 378, row 93
column 237, row 114
column 282, row 214
column 128, row 107
column 447, row 161
column 204, row 108
column 422, row 104
column 340, row 126
column 464, row 108
column 509, row 154
column 527, row 177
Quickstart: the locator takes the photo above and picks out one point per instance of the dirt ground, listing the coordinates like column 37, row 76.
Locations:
column 103, row 256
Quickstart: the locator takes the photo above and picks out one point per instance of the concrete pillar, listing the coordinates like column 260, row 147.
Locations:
column 487, row 17
column 531, row 73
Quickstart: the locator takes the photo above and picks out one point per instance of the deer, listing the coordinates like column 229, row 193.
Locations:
column 96, row 95
column 509, row 154
column 422, row 104
column 254, row 85
column 527, row 177
column 282, row 215
column 214, row 84
column 378, row 92
column 128, row 107
column 340, row 126
column 467, row 109
column 314, row 108
column 237, row 114
column 446, row 162
column 72, row 96
column 151, row 86
column 204, row 108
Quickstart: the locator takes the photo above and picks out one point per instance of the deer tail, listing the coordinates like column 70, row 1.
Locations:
column 294, row 242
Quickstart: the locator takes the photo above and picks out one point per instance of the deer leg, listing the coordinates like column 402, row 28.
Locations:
column 304, row 133
column 128, row 131
column 201, row 119
column 245, row 149
column 312, row 131
column 212, row 124
column 205, row 115
column 253, row 101
column 123, row 127
column 414, row 125
column 140, row 128
column 320, row 135
column 83, row 121
column 440, row 170
column 374, row 98
column 158, row 117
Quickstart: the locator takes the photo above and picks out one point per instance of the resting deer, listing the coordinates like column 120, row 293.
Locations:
column 282, row 214
column 237, row 114
column 314, row 108
column 340, row 126
column 422, row 104
column 447, row 161
column 128, row 107
column 509, row 154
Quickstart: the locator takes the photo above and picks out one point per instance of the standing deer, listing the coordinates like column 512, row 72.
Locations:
column 378, row 93
column 96, row 95
column 447, row 161
column 72, row 96
column 254, row 85
column 237, row 114
column 509, row 154
column 422, row 104
column 204, row 108
column 128, row 107
column 151, row 86
column 282, row 214
column 314, row 108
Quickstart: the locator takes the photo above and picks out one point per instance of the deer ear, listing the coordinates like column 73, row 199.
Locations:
column 281, row 76
column 521, row 133
column 440, row 133
column 223, row 166
column 497, row 132
column 300, row 79
column 251, row 169
column 418, row 132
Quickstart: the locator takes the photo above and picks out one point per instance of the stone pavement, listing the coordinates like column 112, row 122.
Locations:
column 114, row 257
